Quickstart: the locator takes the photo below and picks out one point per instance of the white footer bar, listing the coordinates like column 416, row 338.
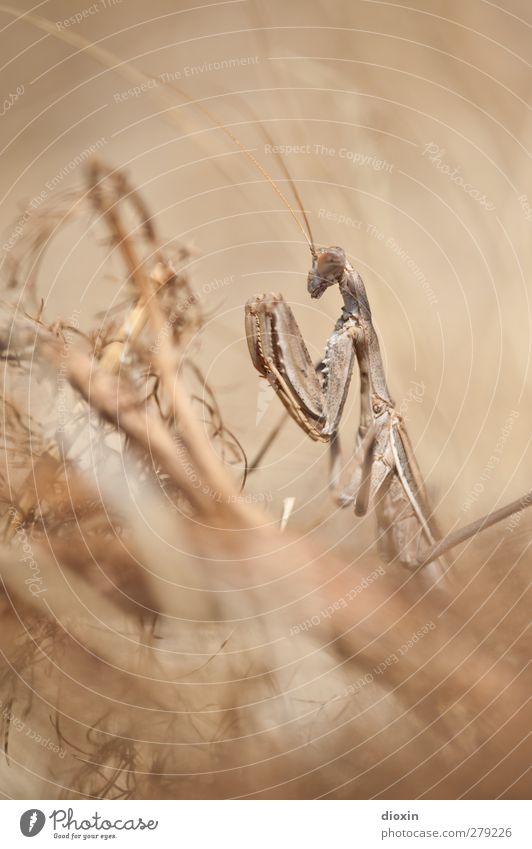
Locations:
column 268, row 824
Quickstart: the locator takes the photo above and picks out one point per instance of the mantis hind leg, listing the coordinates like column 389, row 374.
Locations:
column 360, row 475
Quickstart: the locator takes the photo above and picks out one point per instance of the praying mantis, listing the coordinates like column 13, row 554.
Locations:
column 383, row 469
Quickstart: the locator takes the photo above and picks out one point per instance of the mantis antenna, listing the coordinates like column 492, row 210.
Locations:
column 113, row 62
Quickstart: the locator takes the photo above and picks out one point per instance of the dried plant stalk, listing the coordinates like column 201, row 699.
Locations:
column 169, row 642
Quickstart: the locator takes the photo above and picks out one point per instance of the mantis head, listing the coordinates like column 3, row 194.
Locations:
column 328, row 269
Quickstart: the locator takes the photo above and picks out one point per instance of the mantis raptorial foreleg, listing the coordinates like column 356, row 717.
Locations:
column 280, row 354
column 384, row 470
column 314, row 396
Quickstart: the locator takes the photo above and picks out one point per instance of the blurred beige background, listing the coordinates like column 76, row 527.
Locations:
column 407, row 130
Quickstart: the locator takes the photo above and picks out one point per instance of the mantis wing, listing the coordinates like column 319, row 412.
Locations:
column 405, row 526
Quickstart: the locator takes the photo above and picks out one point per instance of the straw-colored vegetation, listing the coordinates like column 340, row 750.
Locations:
column 161, row 635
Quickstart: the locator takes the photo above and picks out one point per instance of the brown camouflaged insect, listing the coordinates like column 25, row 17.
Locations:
column 384, row 469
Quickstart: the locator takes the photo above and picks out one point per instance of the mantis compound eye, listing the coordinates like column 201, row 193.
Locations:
column 327, row 270
column 331, row 263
